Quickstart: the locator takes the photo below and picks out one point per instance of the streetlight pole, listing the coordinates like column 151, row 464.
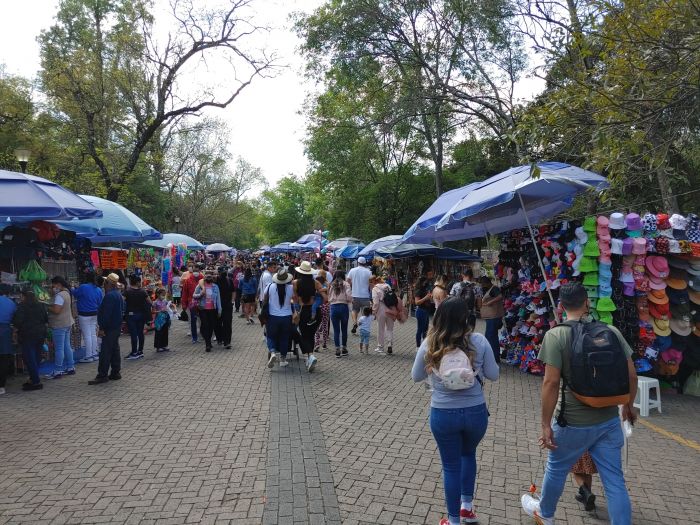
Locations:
column 177, row 224
column 23, row 155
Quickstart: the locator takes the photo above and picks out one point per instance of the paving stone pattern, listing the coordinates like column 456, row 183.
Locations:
column 190, row 437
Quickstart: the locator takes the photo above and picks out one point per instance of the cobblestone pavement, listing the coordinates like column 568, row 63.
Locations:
column 190, row 437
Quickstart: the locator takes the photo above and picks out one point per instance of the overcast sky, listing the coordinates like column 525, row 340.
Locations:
column 267, row 128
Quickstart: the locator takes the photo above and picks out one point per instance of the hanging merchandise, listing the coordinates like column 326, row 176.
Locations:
column 33, row 273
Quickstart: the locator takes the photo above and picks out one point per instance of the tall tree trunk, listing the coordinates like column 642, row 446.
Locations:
column 668, row 199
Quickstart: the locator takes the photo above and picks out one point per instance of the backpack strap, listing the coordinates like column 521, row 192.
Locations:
column 561, row 419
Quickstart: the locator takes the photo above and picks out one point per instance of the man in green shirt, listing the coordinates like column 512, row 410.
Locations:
column 596, row 430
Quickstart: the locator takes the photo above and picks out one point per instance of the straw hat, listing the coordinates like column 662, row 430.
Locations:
column 304, row 268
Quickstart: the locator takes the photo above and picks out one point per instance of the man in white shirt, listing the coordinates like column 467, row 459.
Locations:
column 358, row 278
column 266, row 280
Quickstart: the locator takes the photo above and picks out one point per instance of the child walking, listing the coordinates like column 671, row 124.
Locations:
column 365, row 325
column 161, row 311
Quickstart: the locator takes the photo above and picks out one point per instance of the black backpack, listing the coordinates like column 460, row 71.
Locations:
column 390, row 299
column 466, row 292
column 599, row 372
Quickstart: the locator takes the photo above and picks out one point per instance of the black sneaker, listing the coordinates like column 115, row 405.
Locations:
column 354, row 329
column 337, row 353
column 586, row 497
column 207, row 349
column 69, row 372
column 98, row 381
column 227, row 347
column 115, row 377
column 389, row 350
column 32, row 386
column 345, row 352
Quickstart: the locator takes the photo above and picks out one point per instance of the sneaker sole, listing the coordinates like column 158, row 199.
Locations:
column 271, row 363
column 312, row 366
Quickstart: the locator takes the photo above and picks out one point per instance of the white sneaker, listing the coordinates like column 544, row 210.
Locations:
column 311, row 363
column 531, row 506
column 379, row 350
column 284, row 362
column 85, row 360
column 2, row 391
column 274, row 359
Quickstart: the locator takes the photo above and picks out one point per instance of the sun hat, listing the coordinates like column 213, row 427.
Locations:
column 649, row 222
column 633, row 222
column 605, row 258
column 639, row 246
column 591, row 249
column 693, row 267
column 694, row 296
column 681, row 326
column 616, row 246
column 661, row 326
column 663, row 245
column 602, row 221
column 657, row 296
column 591, row 291
column 663, row 342
column 659, row 311
column 678, row 222
column 603, row 234
column 677, row 279
column 674, row 246
column 605, row 290
column 678, row 296
column 617, row 221
column 591, row 279
column 628, row 289
column 581, row 235
column 605, row 317
column 282, row 277
column 643, row 312
column 656, row 283
column 593, row 302
column 361, row 260
column 662, row 221
column 680, row 310
column 626, row 277
column 588, row 264
column 606, row 304
column 693, row 229
column 641, row 283
column 113, row 278
column 641, row 300
column 305, row 268
column 605, row 272
column 651, row 244
column 657, row 266
column 589, row 224
column 627, row 246
column 694, row 284
column 604, row 247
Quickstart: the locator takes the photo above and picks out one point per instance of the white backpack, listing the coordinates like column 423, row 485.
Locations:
column 456, row 370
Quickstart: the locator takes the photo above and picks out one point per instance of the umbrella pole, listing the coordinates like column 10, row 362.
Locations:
column 539, row 259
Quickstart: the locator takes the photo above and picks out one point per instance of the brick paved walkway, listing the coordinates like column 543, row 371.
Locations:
column 190, row 437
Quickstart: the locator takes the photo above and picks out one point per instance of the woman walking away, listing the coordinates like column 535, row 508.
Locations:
column 385, row 320
column 30, row 322
column 457, row 360
column 138, row 309
column 88, row 298
column 209, row 297
column 323, row 331
column 492, row 312
column 423, row 298
column 278, row 297
column 305, row 290
column 161, row 322
column 249, row 287
column 61, row 321
column 583, row 471
column 340, row 299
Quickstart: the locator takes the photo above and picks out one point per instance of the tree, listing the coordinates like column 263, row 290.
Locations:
column 284, row 215
column 118, row 87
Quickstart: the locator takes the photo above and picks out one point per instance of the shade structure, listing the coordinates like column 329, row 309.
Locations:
column 423, row 230
column 218, row 247
column 117, row 224
column 511, row 199
column 342, row 242
column 175, row 239
column 300, row 247
column 368, row 251
column 349, row 252
column 402, row 251
column 309, row 237
column 265, row 248
column 283, row 247
column 26, row 198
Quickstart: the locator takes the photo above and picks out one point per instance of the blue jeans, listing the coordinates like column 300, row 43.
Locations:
column 364, row 337
column 423, row 322
column 30, row 358
column 136, row 323
column 492, row 327
column 340, row 314
column 278, row 330
column 63, row 359
column 193, row 323
column 457, row 432
column 604, row 443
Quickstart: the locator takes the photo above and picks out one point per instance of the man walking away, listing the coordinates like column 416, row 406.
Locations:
column 587, row 414
column 109, row 321
column 468, row 290
column 358, row 278
column 224, row 324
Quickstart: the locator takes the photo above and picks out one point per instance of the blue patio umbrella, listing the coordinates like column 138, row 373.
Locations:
column 117, row 224
column 282, row 247
column 301, row 247
column 515, row 199
column 349, row 252
column 402, row 251
column 309, row 237
column 423, row 230
column 218, row 247
column 342, row 242
column 175, row 239
column 368, row 251
column 26, row 198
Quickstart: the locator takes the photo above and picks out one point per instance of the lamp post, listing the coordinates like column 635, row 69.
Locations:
column 23, row 155
column 177, row 224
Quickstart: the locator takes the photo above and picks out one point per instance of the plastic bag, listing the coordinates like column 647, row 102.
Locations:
column 692, row 385
column 33, row 272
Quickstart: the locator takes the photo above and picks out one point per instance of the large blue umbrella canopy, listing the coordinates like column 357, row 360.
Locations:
column 175, row 239
column 218, row 247
column 300, row 247
column 368, row 251
column 349, row 252
column 401, row 251
column 509, row 200
column 342, row 242
column 309, row 237
column 282, row 247
column 117, row 224
column 423, row 230
column 26, row 198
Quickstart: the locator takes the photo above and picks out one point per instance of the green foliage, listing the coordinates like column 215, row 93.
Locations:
column 284, row 213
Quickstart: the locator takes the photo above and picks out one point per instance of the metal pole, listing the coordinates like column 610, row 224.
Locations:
column 539, row 259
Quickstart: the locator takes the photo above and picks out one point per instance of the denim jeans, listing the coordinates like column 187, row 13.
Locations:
column 457, row 432
column 63, row 351
column 136, row 323
column 278, row 330
column 30, row 358
column 423, row 323
column 491, row 334
column 340, row 314
column 604, row 443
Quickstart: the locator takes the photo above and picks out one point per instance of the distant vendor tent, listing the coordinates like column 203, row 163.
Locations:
column 402, row 251
column 175, row 239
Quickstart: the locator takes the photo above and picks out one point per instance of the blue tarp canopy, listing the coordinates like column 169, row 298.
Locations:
column 175, row 239
column 349, row 252
column 368, row 251
column 423, row 230
column 309, row 237
column 401, row 251
column 26, row 198
column 342, row 242
column 299, row 247
column 117, row 224
column 282, row 247
column 508, row 200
